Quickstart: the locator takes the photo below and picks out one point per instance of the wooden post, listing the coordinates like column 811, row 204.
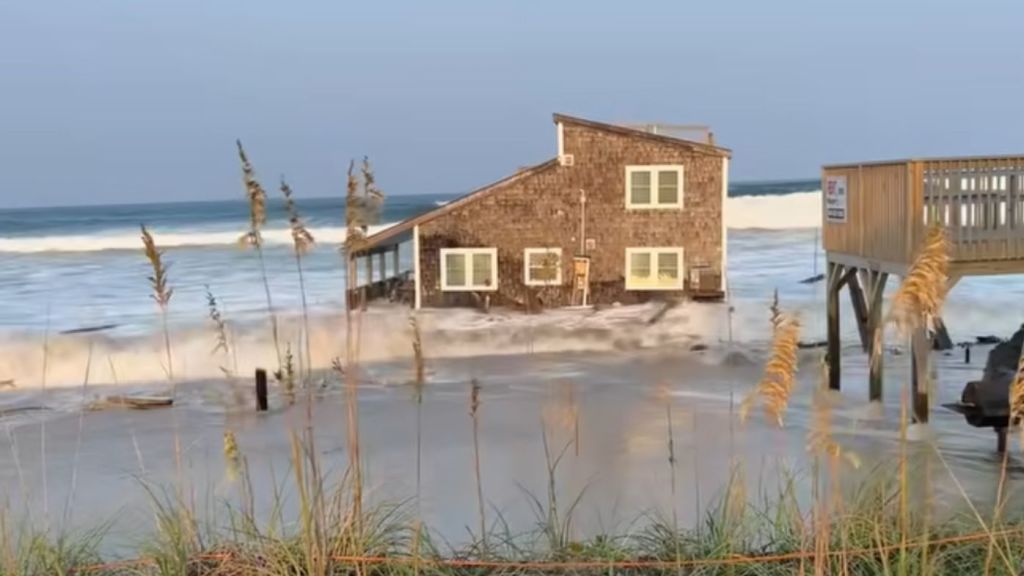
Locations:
column 967, row 354
column 1001, row 440
column 876, row 352
column 920, row 347
column 395, row 261
column 261, row 390
column 942, row 339
column 369, row 280
column 860, row 307
column 832, row 305
column 383, row 266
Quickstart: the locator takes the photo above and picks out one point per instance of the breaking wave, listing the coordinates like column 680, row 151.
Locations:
column 129, row 239
column 789, row 211
column 768, row 212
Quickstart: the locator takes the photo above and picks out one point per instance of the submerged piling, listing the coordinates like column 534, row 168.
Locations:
column 261, row 390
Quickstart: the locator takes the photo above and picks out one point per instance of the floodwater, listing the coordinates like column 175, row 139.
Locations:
column 603, row 411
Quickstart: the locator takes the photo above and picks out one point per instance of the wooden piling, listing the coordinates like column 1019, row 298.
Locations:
column 860, row 308
column 832, row 305
column 876, row 350
column 967, row 353
column 920, row 346
column 1001, row 440
column 261, row 390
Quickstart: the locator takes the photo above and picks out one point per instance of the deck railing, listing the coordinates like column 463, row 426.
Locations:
column 887, row 207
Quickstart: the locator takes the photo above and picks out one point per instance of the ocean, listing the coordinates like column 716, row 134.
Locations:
column 71, row 268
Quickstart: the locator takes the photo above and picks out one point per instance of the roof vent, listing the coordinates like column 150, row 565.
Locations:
column 566, row 160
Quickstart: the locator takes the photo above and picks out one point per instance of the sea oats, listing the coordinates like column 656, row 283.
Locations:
column 776, row 385
column 302, row 239
column 158, row 281
column 257, row 198
column 920, row 297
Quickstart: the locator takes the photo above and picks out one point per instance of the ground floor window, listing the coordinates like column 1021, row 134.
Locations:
column 654, row 268
column 469, row 269
column 542, row 266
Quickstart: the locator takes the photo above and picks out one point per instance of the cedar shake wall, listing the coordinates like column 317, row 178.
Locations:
column 543, row 211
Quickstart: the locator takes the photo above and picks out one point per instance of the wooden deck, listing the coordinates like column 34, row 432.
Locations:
column 874, row 218
column 888, row 206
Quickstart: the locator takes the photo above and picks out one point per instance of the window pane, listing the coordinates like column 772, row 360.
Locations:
column 668, row 187
column 640, row 265
column 482, row 269
column 640, row 188
column 544, row 266
column 455, row 269
column 668, row 266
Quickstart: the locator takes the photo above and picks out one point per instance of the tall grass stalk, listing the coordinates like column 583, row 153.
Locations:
column 66, row 517
column 776, row 385
column 42, row 424
column 666, row 397
column 418, row 384
column 302, row 242
column 161, row 294
column 220, row 330
column 474, row 414
column 257, row 198
column 354, row 237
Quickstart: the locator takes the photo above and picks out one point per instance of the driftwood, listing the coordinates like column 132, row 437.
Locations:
column 133, row 402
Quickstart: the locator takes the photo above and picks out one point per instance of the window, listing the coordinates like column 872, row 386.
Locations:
column 469, row 269
column 652, row 187
column 654, row 268
column 542, row 266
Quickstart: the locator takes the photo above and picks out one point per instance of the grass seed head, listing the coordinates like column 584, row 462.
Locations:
column 301, row 237
column 158, row 281
column 921, row 295
column 257, row 198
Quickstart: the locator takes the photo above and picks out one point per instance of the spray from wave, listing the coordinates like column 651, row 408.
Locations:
column 129, row 239
column 796, row 210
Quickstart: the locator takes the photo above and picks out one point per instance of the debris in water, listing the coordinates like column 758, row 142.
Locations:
column 813, row 279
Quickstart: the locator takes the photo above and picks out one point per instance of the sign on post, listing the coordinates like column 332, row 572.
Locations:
column 835, row 199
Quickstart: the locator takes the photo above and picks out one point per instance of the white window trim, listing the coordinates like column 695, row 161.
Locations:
column 653, row 169
column 468, row 254
column 654, row 252
column 526, row 267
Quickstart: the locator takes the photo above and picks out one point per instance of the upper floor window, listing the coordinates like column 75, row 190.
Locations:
column 469, row 269
column 654, row 187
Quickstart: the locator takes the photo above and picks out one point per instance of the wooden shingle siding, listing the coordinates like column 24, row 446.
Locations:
column 543, row 210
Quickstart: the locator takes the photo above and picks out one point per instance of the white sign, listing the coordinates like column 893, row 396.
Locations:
column 835, row 199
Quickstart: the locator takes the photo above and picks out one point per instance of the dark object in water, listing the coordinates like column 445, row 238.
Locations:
column 9, row 383
column 87, row 329
column 989, row 339
column 813, row 279
column 261, row 390
column 811, row 345
column 986, row 403
column 140, row 402
column 4, row 412
column 698, row 347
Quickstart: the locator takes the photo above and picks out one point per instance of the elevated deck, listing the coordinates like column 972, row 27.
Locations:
column 874, row 219
column 876, row 214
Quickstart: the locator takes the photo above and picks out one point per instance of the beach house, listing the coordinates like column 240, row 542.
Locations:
column 621, row 214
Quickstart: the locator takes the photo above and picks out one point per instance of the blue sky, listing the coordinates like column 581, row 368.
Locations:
column 140, row 101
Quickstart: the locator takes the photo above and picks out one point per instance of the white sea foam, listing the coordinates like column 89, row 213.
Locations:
column 797, row 210
column 129, row 239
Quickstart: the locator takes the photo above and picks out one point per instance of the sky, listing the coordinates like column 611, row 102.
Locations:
column 125, row 101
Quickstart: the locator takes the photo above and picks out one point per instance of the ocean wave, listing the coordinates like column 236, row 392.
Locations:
column 129, row 240
column 788, row 211
column 796, row 210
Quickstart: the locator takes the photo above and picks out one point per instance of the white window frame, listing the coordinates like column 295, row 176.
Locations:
column 655, row 252
column 653, row 169
column 526, row 267
column 468, row 254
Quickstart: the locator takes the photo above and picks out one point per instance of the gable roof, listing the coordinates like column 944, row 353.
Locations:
column 406, row 225
column 473, row 196
column 643, row 134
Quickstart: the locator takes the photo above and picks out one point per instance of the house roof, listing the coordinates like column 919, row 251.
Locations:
column 406, row 225
column 400, row 229
column 636, row 133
